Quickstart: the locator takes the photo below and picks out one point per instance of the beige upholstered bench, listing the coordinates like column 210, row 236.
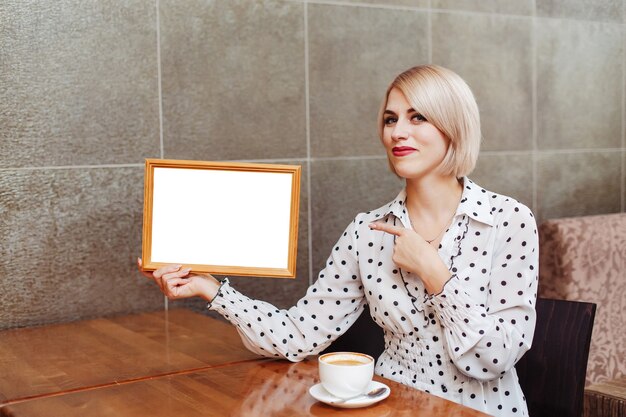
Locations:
column 584, row 259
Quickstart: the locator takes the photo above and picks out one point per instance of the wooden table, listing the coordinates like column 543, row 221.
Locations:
column 258, row 388
column 222, row 379
column 60, row 358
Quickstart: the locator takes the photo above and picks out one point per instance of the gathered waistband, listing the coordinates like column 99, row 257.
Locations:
column 419, row 361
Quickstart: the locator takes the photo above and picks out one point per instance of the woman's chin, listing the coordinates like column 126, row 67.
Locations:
column 408, row 172
column 415, row 174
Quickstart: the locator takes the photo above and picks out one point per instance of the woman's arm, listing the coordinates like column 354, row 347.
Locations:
column 329, row 308
column 486, row 341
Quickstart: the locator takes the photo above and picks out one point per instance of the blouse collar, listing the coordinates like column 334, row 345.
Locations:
column 474, row 203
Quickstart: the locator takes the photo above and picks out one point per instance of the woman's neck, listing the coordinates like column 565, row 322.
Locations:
column 432, row 198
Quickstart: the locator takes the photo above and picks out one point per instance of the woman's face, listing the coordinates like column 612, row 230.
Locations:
column 414, row 147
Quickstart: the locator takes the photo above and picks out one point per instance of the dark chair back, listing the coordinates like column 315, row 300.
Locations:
column 364, row 336
column 552, row 373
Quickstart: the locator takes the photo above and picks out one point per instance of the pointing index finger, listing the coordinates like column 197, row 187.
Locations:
column 385, row 227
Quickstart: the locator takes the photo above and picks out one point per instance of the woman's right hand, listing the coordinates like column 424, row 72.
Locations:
column 176, row 282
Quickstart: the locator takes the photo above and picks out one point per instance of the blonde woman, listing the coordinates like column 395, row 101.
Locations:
column 448, row 269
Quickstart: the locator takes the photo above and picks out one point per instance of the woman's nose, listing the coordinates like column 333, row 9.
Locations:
column 400, row 131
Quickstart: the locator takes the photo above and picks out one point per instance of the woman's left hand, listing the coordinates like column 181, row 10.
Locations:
column 411, row 252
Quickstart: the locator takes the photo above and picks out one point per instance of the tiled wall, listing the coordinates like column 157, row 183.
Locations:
column 90, row 89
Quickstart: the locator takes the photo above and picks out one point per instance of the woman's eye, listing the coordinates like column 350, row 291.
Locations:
column 389, row 120
column 418, row 117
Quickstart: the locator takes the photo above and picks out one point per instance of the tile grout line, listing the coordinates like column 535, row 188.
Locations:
column 534, row 93
column 623, row 161
column 73, row 167
column 367, row 5
column 161, row 153
column 429, row 26
column 532, row 16
column 158, row 39
column 269, row 160
column 327, row 158
column 577, row 151
column 308, row 141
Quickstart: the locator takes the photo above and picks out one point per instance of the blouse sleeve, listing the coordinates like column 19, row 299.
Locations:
column 486, row 341
column 329, row 307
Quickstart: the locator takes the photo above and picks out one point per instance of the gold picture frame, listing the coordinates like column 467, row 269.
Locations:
column 226, row 218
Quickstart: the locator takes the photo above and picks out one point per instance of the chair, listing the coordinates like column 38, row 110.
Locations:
column 364, row 336
column 552, row 373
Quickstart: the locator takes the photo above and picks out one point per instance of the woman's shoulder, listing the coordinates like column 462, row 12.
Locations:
column 503, row 207
column 395, row 206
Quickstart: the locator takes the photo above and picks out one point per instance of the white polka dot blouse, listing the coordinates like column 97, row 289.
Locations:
column 461, row 344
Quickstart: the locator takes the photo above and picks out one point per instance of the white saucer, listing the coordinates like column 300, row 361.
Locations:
column 319, row 393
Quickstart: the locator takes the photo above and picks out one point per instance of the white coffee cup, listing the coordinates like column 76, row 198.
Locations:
column 346, row 374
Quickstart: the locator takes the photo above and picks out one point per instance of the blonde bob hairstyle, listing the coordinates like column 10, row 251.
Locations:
column 446, row 101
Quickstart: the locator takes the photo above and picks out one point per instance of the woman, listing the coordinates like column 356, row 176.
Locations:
column 448, row 269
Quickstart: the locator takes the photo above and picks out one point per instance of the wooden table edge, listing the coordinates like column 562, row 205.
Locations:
column 183, row 310
column 126, row 381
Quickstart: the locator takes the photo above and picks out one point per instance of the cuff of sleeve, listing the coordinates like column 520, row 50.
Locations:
column 220, row 293
column 229, row 303
column 451, row 297
column 458, row 313
column 429, row 299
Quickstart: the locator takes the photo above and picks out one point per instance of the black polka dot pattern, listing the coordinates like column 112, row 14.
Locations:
column 461, row 344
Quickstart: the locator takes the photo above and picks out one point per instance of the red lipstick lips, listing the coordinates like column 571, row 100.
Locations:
column 402, row 150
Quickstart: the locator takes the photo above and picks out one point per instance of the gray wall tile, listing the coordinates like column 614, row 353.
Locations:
column 579, row 65
column 78, row 83
column 355, row 52
column 519, row 7
column 493, row 54
column 601, row 10
column 510, row 175
column 283, row 293
column 70, row 239
column 339, row 191
column 577, row 184
column 233, row 79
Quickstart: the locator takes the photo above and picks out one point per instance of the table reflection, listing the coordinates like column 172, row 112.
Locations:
column 281, row 389
column 276, row 390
